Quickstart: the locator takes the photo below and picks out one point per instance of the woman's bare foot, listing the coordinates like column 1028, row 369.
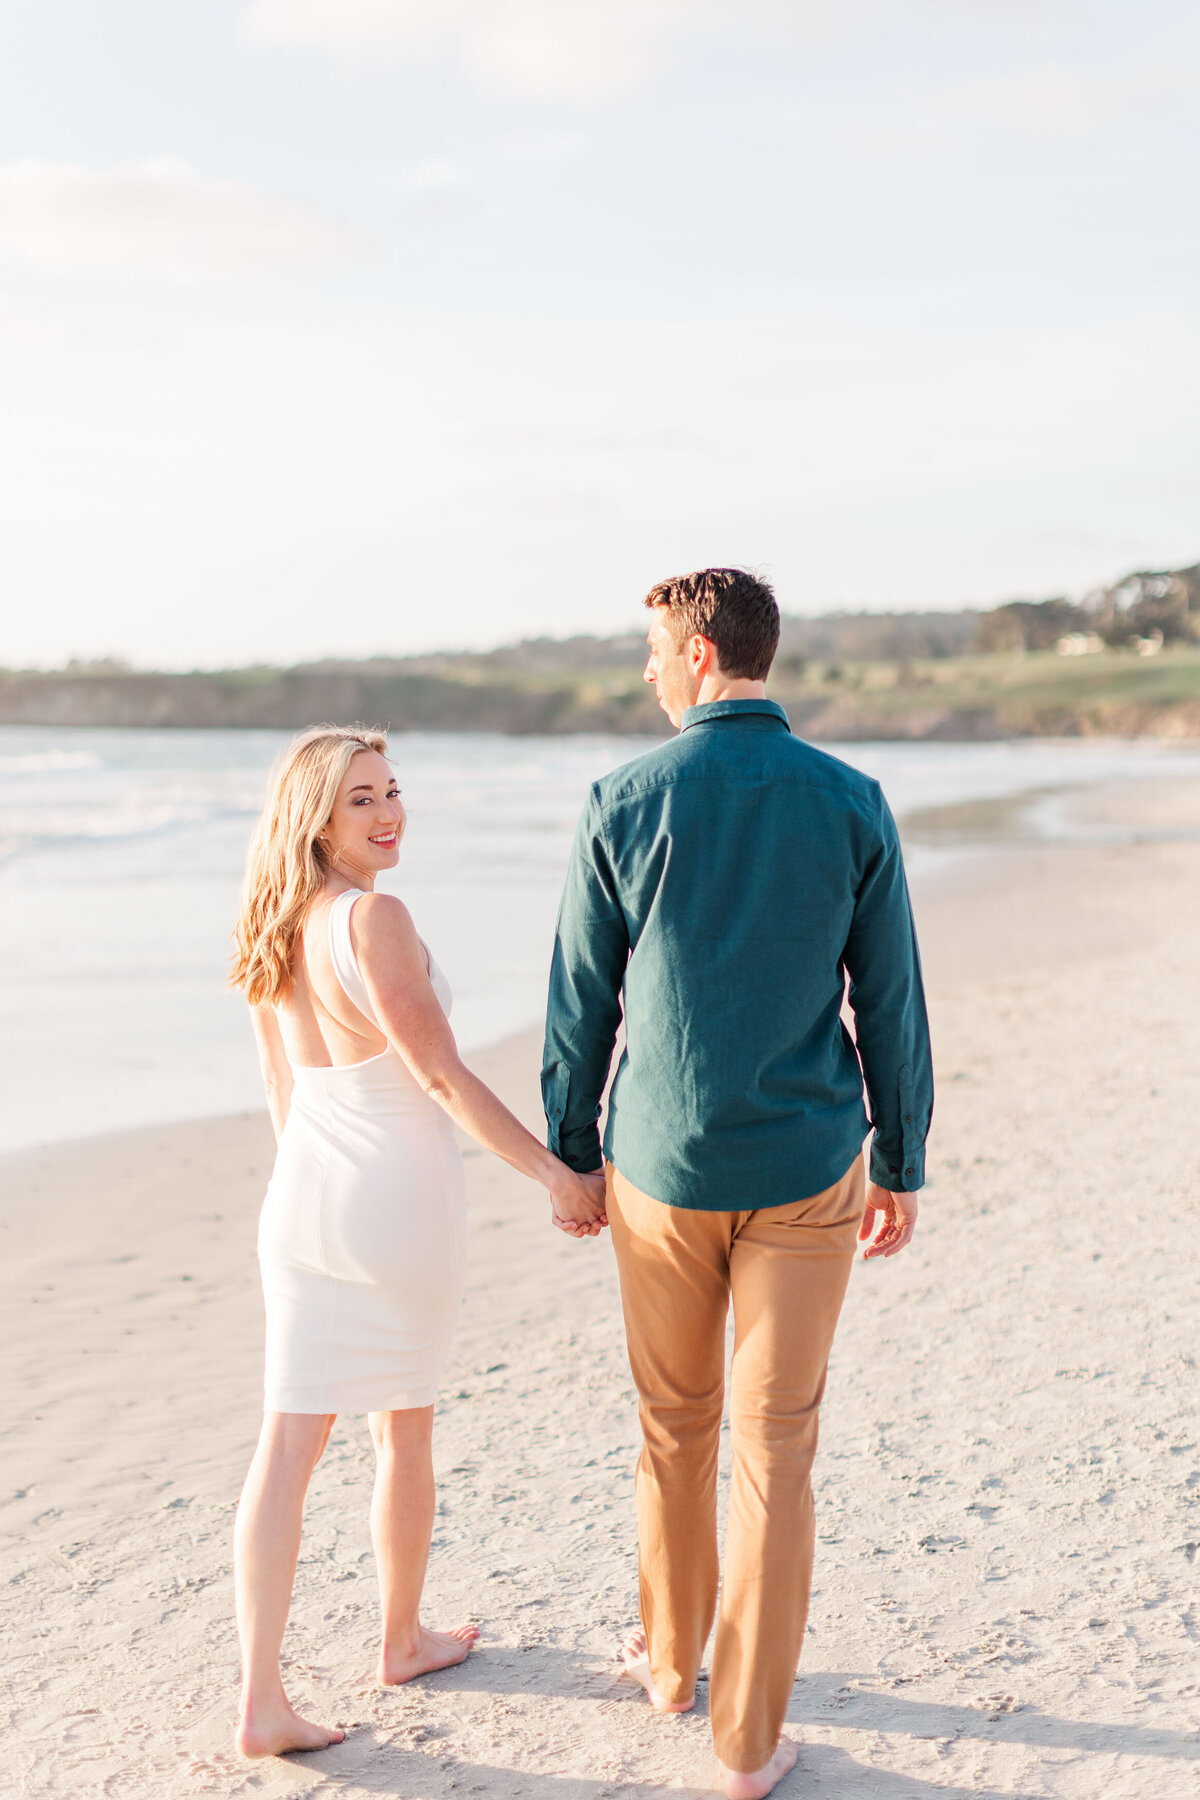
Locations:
column 637, row 1664
column 753, row 1786
column 273, row 1728
column 432, row 1650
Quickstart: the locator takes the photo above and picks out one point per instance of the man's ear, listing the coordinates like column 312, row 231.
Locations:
column 702, row 656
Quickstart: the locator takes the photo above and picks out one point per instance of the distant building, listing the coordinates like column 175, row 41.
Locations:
column 1080, row 643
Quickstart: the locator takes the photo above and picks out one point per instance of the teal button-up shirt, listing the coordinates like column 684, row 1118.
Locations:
column 721, row 889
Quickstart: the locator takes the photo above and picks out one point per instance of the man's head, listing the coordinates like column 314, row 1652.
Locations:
column 712, row 636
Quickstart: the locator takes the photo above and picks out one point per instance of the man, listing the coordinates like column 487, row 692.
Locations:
column 721, row 890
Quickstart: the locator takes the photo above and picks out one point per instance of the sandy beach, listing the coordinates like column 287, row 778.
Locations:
column 1008, row 1486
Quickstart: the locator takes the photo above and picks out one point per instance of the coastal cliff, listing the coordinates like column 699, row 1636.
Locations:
column 960, row 698
column 1125, row 661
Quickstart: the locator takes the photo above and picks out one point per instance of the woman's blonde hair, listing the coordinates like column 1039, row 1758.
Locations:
column 288, row 865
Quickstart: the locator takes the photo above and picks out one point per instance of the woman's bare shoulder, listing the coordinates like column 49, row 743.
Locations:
column 381, row 912
column 382, row 924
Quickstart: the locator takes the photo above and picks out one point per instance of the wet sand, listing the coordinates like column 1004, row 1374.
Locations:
column 1008, row 1483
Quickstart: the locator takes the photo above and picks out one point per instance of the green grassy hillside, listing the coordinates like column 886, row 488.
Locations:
column 1002, row 694
column 1016, row 693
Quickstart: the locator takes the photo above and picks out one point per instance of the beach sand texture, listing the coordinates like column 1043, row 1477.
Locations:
column 1008, row 1485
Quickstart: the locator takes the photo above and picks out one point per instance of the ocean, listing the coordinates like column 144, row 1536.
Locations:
column 121, row 854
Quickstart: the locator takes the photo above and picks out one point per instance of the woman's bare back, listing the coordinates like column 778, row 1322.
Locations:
column 320, row 1025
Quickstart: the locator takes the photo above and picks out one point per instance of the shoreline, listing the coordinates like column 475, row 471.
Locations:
column 1000, row 826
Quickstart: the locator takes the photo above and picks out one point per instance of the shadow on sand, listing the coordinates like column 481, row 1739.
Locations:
column 370, row 1762
column 838, row 1700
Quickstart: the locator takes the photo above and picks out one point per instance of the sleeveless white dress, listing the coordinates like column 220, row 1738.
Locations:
column 362, row 1240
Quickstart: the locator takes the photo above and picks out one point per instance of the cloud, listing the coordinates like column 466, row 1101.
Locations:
column 1060, row 102
column 527, row 497
column 432, row 175
column 26, row 329
column 574, row 441
column 543, row 48
column 582, row 49
column 1030, row 105
column 156, row 221
column 529, row 149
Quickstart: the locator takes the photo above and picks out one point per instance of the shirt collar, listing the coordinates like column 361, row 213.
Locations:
column 733, row 709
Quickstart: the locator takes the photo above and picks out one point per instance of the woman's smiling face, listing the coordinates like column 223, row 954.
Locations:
column 367, row 822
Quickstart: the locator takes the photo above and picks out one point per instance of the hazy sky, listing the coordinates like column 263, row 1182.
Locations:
column 362, row 326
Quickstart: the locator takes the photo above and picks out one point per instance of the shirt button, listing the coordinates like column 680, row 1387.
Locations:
column 908, row 1171
column 908, row 1118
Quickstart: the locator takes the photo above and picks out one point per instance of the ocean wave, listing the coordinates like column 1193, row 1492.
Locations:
column 128, row 818
column 38, row 762
column 118, row 822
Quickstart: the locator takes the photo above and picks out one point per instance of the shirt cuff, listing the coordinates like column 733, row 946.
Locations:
column 898, row 1174
column 580, row 1150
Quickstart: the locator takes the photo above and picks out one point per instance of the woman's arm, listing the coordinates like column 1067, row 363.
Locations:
column 276, row 1070
column 392, row 960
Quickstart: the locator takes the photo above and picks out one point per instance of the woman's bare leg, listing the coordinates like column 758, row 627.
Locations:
column 401, row 1527
column 266, row 1544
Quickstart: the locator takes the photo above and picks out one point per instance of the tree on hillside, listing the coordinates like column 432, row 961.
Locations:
column 1030, row 624
column 1138, row 606
column 1166, row 601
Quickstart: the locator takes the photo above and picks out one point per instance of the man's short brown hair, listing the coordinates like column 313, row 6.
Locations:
column 733, row 609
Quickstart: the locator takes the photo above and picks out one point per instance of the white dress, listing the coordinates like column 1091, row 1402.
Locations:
column 362, row 1240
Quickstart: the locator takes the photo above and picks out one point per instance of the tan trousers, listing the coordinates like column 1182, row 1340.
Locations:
column 786, row 1268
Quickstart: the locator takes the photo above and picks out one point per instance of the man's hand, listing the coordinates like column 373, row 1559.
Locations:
column 577, row 1204
column 888, row 1221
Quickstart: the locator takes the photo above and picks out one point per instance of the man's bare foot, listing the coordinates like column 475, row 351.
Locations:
column 275, row 1728
column 637, row 1664
column 753, row 1786
column 433, row 1650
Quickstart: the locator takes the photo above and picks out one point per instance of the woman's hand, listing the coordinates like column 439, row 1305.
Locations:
column 577, row 1202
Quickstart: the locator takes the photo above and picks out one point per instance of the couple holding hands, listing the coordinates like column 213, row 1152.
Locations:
column 727, row 893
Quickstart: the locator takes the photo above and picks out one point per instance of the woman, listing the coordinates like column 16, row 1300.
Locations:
column 362, row 1240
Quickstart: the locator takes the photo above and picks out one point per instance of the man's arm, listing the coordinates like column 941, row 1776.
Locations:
column 891, row 1027
column 591, row 948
